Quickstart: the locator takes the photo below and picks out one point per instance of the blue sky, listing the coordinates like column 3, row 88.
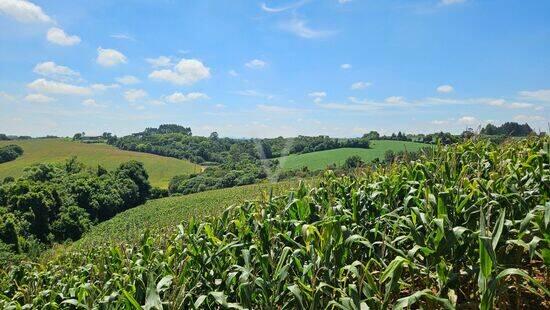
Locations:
column 263, row 69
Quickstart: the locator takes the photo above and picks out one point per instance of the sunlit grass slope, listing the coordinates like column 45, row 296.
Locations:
column 320, row 160
column 160, row 169
column 164, row 214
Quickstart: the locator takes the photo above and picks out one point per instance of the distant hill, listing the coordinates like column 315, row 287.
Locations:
column 160, row 169
column 322, row 159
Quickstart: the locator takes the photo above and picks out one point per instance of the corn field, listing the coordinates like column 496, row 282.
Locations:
column 465, row 226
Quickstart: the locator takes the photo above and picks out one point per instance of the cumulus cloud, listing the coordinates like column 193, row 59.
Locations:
column 52, row 70
column 107, row 57
column 345, row 66
column 58, row 36
column 233, row 73
column 178, row 97
column 23, row 11
column 318, row 96
column 256, row 64
column 395, row 100
column 360, row 85
column 445, row 89
column 133, row 95
column 128, row 80
column 186, row 72
column 467, row 120
column 53, row 87
column 159, row 62
column 538, row 95
column 299, row 27
column 38, row 98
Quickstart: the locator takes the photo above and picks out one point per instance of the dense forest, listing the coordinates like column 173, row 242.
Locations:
column 10, row 152
column 58, row 202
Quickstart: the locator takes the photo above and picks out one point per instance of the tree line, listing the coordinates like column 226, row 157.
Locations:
column 58, row 202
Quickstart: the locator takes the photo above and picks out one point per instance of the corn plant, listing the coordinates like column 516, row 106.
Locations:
column 464, row 226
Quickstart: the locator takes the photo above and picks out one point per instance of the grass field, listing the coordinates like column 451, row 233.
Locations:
column 161, row 169
column 164, row 214
column 320, row 160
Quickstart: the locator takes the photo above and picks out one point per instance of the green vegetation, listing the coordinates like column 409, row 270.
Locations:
column 464, row 226
column 160, row 169
column 58, row 202
column 507, row 129
column 320, row 160
column 162, row 215
column 10, row 152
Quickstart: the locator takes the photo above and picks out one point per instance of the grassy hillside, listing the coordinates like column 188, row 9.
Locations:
column 160, row 169
column 320, row 160
column 165, row 213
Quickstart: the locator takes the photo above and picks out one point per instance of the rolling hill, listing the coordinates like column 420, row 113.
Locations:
column 164, row 214
column 160, row 169
column 320, row 160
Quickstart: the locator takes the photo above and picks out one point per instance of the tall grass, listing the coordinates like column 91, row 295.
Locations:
column 464, row 227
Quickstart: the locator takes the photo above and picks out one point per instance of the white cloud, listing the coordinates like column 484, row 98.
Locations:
column 220, row 106
column 132, row 95
column 528, row 118
column 159, row 62
column 128, row 80
column 395, row 100
column 520, row 105
column 344, row 1
column 109, row 57
column 439, row 122
column 540, row 95
column 58, row 36
column 53, row 87
column 299, row 27
column 467, row 120
column 347, row 107
column 451, row 2
column 318, row 96
column 256, row 64
column 92, row 103
column 23, row 11
column 52, row 70
column 445, row 89
column 186, row 72
column 38, row 98
column 265, row 8
column 178, row 97
column 360, row 85
column 103, row 87
column 345, row 66
column 233, row 73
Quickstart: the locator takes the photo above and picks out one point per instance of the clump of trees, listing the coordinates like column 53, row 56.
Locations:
column 3, row 137
column 508, row 129
column 58, row 202
column 10, row 152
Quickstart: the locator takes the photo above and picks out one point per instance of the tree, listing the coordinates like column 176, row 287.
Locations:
column 71, row 224
column 353, row 162
column 135, row 171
